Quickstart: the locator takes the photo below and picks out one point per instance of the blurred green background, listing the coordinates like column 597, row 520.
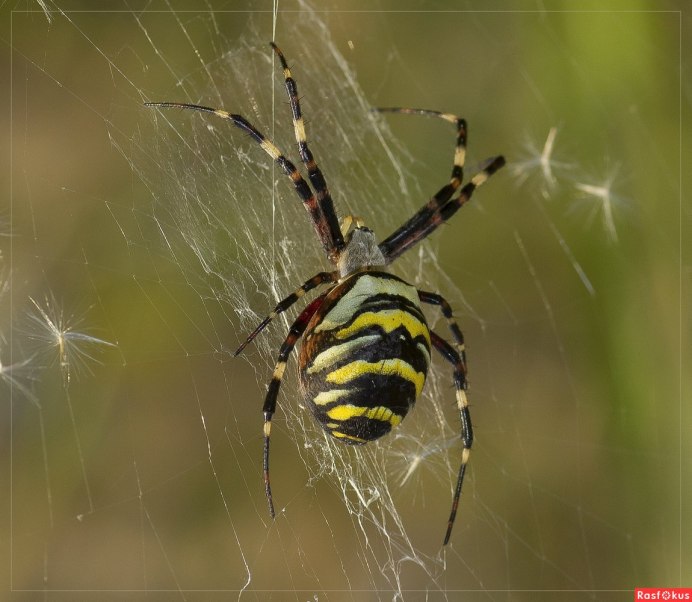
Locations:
column 132, row 442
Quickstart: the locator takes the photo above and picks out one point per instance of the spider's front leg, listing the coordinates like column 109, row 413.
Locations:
column 442, row 196
column 441, row 206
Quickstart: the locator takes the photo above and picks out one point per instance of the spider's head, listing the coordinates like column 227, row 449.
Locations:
column 360, row 250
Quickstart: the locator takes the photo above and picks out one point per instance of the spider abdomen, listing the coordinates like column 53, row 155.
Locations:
column 365, row 356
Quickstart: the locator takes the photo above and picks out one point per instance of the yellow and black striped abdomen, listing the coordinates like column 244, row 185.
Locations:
column 365, row 356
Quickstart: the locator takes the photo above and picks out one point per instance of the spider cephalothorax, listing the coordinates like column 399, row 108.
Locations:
column 366, row 345
column 360, row 252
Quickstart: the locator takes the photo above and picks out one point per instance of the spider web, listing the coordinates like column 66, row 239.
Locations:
column 142, row 246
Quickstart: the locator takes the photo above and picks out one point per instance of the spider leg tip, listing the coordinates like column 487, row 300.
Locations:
column 495, row 163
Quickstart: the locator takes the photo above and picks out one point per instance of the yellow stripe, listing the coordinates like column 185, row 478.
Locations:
column 388, row 319
column 383, row 414
column 333, row 354
column 299, row 128
column 367, row 286
column 269, row 148
column 327, row 397
column 462, row 402
column 344, row 412
column 279, row 370
column 480, row 178
column 340, row 435
column 459, row 156
column 357, row 368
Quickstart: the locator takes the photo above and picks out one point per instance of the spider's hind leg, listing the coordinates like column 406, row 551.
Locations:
column 297, row 329
column 457, row 357
column 452, row 356
column 442, row 196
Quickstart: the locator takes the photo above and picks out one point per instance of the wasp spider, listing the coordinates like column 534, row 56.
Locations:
column 366, row 344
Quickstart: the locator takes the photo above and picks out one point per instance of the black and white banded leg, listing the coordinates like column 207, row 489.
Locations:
column 284, row 304
column 441, row 206
column 322, row 226
column 324, row 198
column 297, row 329
column 457, row 357
column 453, row 357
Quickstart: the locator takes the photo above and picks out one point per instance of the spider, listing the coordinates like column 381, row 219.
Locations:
column 366, row 344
